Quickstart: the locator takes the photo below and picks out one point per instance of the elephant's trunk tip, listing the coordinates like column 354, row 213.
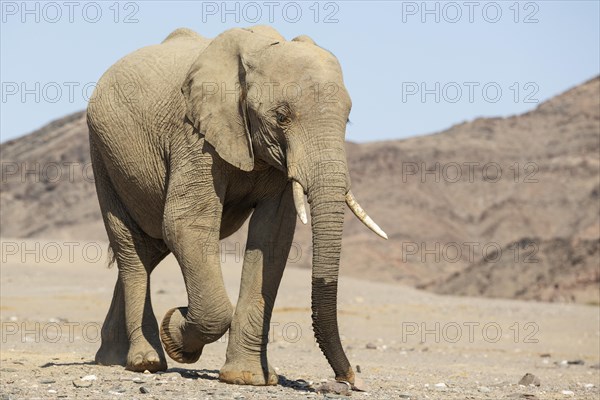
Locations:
column 363, row 216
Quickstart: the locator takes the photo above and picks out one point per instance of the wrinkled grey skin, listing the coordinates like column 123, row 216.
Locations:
column 178, row 168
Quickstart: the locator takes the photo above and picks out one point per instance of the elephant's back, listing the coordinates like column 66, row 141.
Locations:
column 152, row 71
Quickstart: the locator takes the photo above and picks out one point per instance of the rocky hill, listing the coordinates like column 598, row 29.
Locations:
column 48, row 184
column 500, row 207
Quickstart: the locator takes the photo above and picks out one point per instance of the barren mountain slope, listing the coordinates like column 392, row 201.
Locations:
column 48, row 184
column 548, row 189
column 558, row 270
column 448, row 201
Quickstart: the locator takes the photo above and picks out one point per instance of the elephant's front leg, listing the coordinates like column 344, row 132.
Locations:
column 191, row 230
column 269, row 240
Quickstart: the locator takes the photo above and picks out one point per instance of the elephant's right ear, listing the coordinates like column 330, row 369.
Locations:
column 214, row 97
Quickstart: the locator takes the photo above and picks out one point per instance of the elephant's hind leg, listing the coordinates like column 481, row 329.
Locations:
column 135, row 265
column 129, row 334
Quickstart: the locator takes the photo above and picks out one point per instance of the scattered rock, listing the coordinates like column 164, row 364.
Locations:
column 334, row 388
column 484, row 389
column 405, row 396
column 530, row 379
column 117, row 390
column 441, row 385
column 523, row 396
column 47, row 381
column 588, row 385
column 371, row 346
column 143, row 390
column 298, row 383
column 58, row 320
column 575, row 362
column 79, row 383
column 358, row 369
column 545, row 355
column 89, row 378
column 595, row 366
column 568, row 393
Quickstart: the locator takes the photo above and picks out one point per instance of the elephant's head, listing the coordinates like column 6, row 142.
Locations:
column 260, row 99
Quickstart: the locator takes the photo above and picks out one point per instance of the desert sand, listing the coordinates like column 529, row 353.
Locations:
column 407, row 343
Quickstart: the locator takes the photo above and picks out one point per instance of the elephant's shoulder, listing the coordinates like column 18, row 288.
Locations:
column 181, row 33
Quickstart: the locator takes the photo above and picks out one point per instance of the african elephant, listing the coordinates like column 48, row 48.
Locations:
column 186, row 142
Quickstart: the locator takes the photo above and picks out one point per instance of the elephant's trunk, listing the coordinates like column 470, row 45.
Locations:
column 322, row 171
column 327, row 189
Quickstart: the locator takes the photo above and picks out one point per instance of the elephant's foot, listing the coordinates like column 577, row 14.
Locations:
column 171, row 334
column 245, row 372
column 143, row 356
column 112, row 353
column 115, row 343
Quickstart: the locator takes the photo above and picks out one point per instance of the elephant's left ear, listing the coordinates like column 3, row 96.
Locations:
column 214, row 94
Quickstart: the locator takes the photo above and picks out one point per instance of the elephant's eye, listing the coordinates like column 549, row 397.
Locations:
column 282, row 118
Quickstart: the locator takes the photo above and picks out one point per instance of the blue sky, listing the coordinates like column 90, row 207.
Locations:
column 411, row 68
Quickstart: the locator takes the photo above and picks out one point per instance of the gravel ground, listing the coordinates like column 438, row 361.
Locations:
column 407, row 343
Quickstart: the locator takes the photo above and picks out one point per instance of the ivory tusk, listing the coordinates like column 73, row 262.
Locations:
column 362, row 215
column 299, row 201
